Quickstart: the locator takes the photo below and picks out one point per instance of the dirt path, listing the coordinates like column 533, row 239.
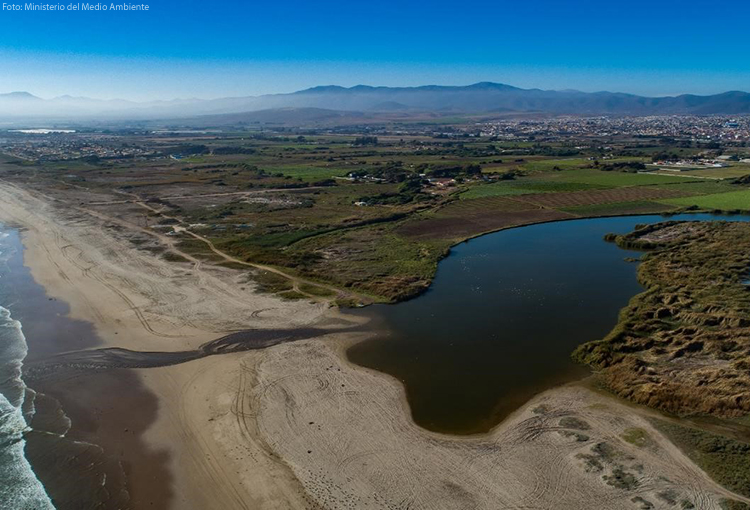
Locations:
column 163, row 297
column 198, row 195
column 296, row 281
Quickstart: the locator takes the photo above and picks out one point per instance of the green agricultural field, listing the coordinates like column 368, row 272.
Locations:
column 535, row 164
column 548, row 165
column 523, row 187
column 611, row 179
column 733, row 200
column 713, row 173
column 701, row 187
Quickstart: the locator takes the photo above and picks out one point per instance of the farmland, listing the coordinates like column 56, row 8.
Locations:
column 734, row 200
column 370, row 216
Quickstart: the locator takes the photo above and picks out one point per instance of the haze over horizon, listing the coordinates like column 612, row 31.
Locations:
column 75, row 95
column 191, row 49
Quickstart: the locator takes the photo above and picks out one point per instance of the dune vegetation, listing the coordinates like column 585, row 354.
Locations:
column 683, row 345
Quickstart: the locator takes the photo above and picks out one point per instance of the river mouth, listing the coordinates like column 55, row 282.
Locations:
column 502, row 317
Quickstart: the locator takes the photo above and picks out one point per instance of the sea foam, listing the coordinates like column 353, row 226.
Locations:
column 20, row 488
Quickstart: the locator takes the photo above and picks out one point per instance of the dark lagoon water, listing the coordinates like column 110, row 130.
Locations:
column 502, row 317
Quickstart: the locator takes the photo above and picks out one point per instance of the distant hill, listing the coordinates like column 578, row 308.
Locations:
column 19, row 96
column 285, row 116
column 363, row 100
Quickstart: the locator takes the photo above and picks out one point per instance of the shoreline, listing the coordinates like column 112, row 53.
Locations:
column 299, row 426
column 63, row 268
column 576, row 295
column 353, row 439
column 665, row 214
column 83, row 445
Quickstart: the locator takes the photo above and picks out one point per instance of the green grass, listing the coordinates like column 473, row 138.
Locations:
column 739, row 200
column 702, row 187
column 548, row 165
column 533, row 165
column 495, row 189
column 637, row 437
column 280, row 239
column 316, row 290
column 572, row 180
column 194, row 159
column 271, row 283
column 719, row 173
column 237, row 243
column 611, row 179
column 374, row 261
column 523, row 187
column 726, row 460
column 198, row 249
column 291, row 295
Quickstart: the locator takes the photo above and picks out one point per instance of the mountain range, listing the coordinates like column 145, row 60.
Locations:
column 361, row 101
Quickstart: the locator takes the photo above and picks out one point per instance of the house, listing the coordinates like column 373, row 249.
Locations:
column 441, row 181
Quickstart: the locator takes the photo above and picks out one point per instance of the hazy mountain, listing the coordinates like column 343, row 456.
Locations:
column 480, row 98
column 19, row 96
column 286, row 116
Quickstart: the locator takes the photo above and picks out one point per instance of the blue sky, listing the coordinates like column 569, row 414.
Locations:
column 226, row 48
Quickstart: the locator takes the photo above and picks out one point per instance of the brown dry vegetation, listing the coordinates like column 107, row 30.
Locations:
column 466, row 218
column 683, row 345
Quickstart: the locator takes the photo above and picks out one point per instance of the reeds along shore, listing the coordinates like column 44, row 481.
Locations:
column 682, row 345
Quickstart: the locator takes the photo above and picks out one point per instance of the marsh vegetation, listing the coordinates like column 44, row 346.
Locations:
column 683, row 345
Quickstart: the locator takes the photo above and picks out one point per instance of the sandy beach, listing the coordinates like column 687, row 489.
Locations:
column 143, row 303
column 296, row 425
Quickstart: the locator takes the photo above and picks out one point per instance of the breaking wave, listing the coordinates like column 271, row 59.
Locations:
column 20, row 488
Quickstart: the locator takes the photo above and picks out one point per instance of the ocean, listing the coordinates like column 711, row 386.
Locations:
column 19, row 486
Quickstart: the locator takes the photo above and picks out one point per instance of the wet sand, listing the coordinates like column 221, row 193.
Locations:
column 86, row 446
column 114, row 468
column 103, row 460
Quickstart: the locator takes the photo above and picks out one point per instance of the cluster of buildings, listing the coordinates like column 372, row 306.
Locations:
column 695, row 128
column 697, row 163
column 68, row 146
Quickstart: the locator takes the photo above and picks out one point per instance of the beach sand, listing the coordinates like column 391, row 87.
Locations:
column 296, row 425
column 140, row 302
